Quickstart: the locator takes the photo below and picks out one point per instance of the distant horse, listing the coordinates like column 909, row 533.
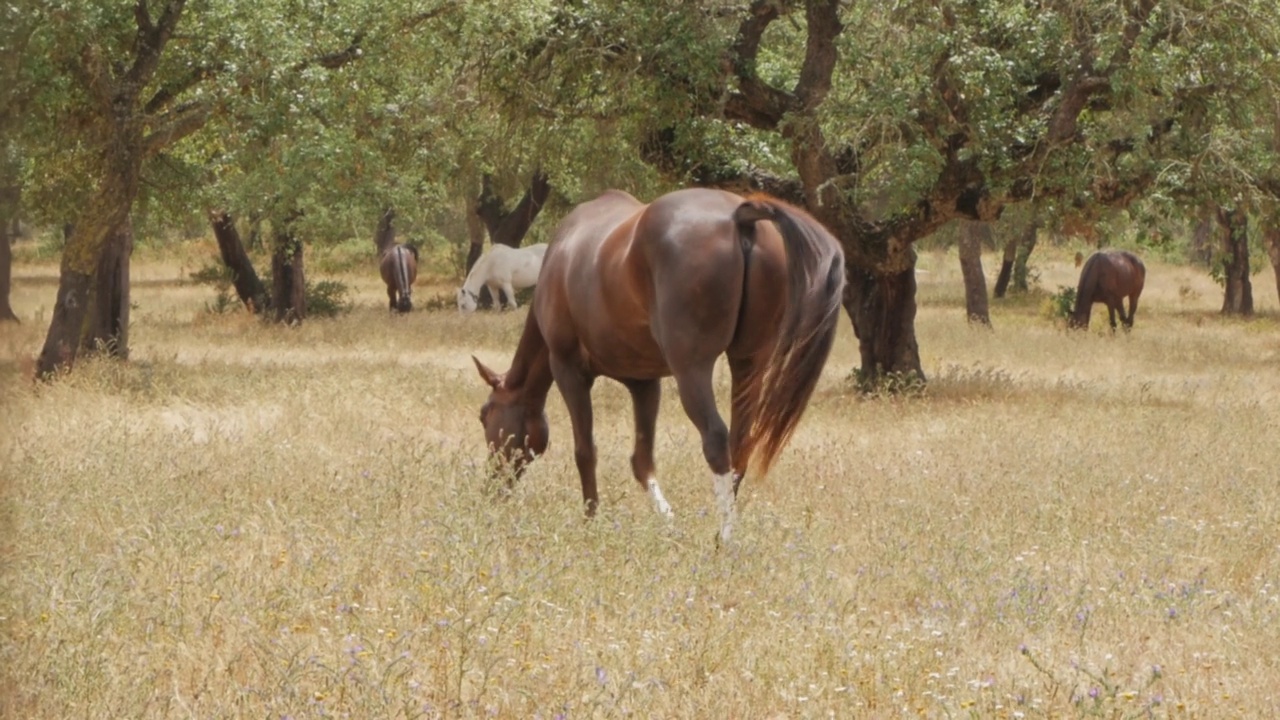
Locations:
column 638, row 292
column 399, row 267
column 1109, row 277
column 503, row 268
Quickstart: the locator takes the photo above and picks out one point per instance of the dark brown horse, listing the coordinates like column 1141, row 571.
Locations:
column 638, row 292
column 1109, row 277
column 399, row 267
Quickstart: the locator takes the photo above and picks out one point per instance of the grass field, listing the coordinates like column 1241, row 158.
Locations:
column 250, row 521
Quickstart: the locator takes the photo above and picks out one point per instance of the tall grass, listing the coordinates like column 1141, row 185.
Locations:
column 247, row 520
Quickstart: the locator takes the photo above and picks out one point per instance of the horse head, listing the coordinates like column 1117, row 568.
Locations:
column 515, row 433
column 467, row 300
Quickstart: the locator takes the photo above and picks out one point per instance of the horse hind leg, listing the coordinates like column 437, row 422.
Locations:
column 510, row 291
column 645, row 395
column 1133, row 309
column 699, row 401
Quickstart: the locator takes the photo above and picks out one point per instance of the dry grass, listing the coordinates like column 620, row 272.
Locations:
column 251, row 521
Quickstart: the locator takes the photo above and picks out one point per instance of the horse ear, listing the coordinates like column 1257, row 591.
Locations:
column 492, row 378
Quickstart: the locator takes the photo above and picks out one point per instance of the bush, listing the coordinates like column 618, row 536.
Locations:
column 1058, row 306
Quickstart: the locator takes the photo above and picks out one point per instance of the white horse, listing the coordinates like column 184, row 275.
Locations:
column 504, row 268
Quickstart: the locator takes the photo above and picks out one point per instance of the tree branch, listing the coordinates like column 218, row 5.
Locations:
column 820, row 54
column 175, row 125
column 152, row 38
column 755, row 102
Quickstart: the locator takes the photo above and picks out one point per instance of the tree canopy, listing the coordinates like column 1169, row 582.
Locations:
column 885, row 119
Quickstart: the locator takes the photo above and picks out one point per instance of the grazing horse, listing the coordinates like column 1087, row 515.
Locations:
column 399, row 267
column 1109, row 277
column 639, row 292
column 504, row 268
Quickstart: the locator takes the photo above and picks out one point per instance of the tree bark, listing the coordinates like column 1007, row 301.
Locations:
column 107, row 329
column 244, row 278
column 883, row 311
column 1238, row 297
column 6, row 267
column 385, row 236
column 288, row 278
column 973, row 234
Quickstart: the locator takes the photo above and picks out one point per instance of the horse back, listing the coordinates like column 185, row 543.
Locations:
column 625, row 285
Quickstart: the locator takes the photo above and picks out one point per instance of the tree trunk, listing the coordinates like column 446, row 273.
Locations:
column 6, row 270
column 509, row 228
column 288, row 279
column 107, row 326
column 1271, row 239
column 883, row 311
column 1238, row 298
column 973, row 234
column 105, row 212
column 1006, row 267
column 385, row 236
column 244, row 278
column 505, row 228
column 1026, row 244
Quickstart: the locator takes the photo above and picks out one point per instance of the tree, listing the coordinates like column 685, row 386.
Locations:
column 973, row 234
column 1238, row 298
column 926, row 113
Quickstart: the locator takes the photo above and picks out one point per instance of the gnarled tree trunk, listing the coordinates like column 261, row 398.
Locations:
column 973, row 234
column 883, row 311
column 1238, row 297
column 506, row 227
column 244, row 278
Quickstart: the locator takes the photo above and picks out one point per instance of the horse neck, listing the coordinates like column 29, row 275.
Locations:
column 530, row 373
column 477, row 276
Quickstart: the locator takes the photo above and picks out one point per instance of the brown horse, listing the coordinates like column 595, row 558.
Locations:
column 399, row 267
column 1109, row 277
column 638, row 292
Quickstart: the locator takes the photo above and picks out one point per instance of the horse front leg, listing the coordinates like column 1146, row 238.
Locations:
column 645, row 395
column 575, row 387
column 510, row 290
column 1111, row 315
column 699, row 401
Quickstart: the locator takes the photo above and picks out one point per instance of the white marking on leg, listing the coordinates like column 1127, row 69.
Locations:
column 659, row 502
column 725, row 503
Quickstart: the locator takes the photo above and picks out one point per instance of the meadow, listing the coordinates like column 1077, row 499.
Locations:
column 251, row 521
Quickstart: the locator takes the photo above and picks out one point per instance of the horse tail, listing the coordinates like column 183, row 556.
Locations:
column 776, row 396
column 404, row 286
column 1086, row 289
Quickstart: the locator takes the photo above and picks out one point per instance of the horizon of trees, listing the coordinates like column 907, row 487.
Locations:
column 886, row 121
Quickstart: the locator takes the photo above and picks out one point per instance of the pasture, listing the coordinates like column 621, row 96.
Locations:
column 250, row 521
